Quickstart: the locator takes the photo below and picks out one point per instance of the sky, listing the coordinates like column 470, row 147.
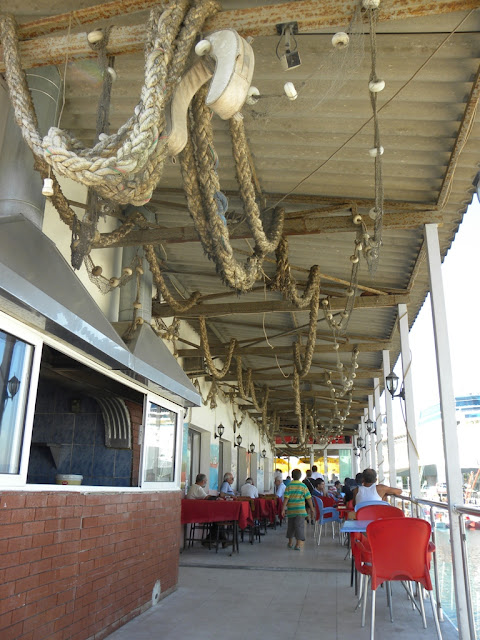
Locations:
column 462, row 298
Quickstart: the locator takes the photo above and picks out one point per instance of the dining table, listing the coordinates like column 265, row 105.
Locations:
column 200, row 511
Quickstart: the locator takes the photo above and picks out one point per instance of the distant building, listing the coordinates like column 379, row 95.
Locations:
column 430, row 441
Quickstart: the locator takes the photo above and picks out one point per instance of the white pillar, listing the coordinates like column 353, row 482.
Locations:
column 449, row 424
column 312, row 458
column 379, row 429
column 409, row 405
column 373, row 448
column 392, row 470
column 363, row 451
column 325, row 465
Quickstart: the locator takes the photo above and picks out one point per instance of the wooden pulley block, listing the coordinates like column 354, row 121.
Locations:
column 234, row 64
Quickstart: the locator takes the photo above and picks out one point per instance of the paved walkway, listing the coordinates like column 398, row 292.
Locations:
column 269, row 592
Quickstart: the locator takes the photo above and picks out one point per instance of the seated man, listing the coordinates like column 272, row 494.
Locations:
column 279, row 488
column 370, row 492
column 320, row 490
column 197, row 491
column 226, row 489
column 248, row 490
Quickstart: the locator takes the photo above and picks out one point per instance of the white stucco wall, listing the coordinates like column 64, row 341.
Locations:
column 108, row 259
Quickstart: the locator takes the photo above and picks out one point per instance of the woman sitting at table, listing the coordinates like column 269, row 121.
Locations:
column 371, row 492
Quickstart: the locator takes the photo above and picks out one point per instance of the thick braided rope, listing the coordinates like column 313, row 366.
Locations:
column 177, row 306
column 238, row 276
column 303, row 368
column 247, row 192
column 201, row 185
column 139, row 145
column 216, row 373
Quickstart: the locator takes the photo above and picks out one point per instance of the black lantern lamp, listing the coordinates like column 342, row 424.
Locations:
column 239, row 441
column 252, row 448
column 391, row 382
column 264, row 453
column 370, row 426
column 220, row 430
column 13, row 385
column 356, row 451
column 360, row 443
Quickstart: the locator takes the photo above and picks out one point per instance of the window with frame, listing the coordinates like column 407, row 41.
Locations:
column 16, row 357
column 160, row 449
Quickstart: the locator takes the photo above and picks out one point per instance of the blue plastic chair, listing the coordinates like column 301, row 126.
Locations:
column 325, row 515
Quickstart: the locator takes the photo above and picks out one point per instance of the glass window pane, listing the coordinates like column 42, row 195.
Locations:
column 160, row 439
column 15, row 369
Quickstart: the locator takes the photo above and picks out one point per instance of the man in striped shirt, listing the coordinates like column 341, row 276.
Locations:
column 295, row 496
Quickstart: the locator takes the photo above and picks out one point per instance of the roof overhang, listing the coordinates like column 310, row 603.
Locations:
column 39, row 288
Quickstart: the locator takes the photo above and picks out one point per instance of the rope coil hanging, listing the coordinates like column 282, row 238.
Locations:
column 126, row 166
column 207, row 207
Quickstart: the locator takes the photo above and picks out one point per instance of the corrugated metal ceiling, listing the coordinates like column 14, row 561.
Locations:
column 429, row 77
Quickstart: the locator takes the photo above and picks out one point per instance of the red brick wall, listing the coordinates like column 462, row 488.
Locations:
column 75, row 566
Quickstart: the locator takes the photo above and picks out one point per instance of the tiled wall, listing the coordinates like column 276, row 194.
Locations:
column 82, row 439
column 77, row 566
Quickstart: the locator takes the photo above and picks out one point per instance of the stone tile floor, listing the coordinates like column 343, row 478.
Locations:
column 269, row 592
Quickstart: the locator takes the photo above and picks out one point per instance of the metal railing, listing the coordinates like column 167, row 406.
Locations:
column 461, row 510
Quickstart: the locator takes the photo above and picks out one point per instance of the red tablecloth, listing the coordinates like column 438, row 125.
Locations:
column 267, row 508
column 216, row 511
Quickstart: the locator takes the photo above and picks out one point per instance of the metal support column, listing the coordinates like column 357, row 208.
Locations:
column 379, row 429
column 392, row 470
column 449, row 425
column 371, row 436
column 409, row 405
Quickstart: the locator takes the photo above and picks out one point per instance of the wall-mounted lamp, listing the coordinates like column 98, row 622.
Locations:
column 252, row 448
column 370, row 426
column 264, row 453
column 391, row 382
column 239, row 441
column 220, row 430
column 360, row 443
column 356, row 451
column 13, row 385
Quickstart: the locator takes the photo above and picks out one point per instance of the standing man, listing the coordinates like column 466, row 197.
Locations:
column 295, row 496
column 315, row 473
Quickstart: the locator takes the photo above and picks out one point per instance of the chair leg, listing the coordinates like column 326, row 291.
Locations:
column 364, row 604
column 372, row 621
column 435, row 615
column 389, row 599
column 422, row 605
column 319, row 534
column 360, row 591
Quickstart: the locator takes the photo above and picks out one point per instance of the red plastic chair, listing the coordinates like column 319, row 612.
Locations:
column 375, row 512
column 399, row 550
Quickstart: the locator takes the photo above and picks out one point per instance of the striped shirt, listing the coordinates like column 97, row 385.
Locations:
column 297, row 493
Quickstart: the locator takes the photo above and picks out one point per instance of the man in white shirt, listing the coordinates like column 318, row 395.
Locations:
column 197, row 490
column 279, row 488
column 248, row 490
column 315, row 474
